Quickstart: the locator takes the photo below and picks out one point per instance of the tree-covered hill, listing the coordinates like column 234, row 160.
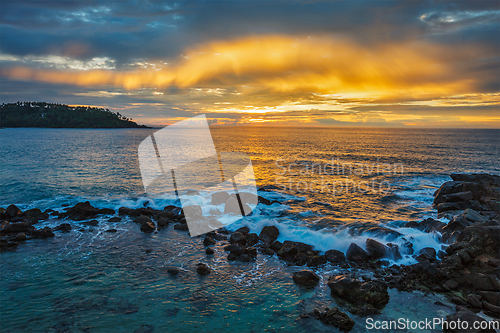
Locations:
column 41, row 114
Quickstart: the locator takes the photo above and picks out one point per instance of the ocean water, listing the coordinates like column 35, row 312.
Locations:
column 335, row 186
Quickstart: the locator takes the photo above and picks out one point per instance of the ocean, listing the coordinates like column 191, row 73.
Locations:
column 334, row 186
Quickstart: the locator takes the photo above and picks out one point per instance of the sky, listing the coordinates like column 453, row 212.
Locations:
column 260, row 63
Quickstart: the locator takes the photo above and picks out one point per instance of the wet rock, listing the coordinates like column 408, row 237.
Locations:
column 306, row 278
column 464, row 315
column 148, row 227
column 427, row 253
column 209, row 251
column 81, row 211
column 474, row 301
column 203, row 269
column 473, row 216
column 219, row 198
column 315, row 261
column 450, row 285
column 374, row 230
column 5, row 227
column 459, row 196
column 233, row 247
column 145, row 329
column 484, row 282
column 181, row 226
column 358, row 293
column 209, row 241
column 491, row 310
column 106, row 211
column 376, row 249
column 491, row 297
column 446, row 206
column 35, row 215
column 300, row 259
column 237, row 237
column 125, row 211
column 356, row 253
column 243, row 230
column 335, row 256
column 266, row 202
column 42, row 233
column 173, row 270
column 142, row 219
column 20, row 237
column 64, row 227
column 269, row 234
column 252, row 239
column 334, row 317
column 91, row 223
column 276, row 245
column 162, row 222
column 427, row 225
column 12, row 211
column 288, row 250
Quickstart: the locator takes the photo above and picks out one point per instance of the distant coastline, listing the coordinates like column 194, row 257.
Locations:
column 52, row 115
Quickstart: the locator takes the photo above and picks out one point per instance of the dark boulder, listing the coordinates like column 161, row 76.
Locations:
column 35, row 215
column 106, row 211
column 243, row 230
column 276, row 245
column 356, row 253
column 162, row 222
column 203, row 269
column 148, row 227
column 459, row 196
column 181, row 226
column 335, row 256
column 209, row 241
column 115, row 219
column 370, row 296
column 269, row 234
column 315, row 261
column 64, row 227
column 464, row 316
column 173, row 270
column 334, row 317
column 20, row 237
column 12, row 211
column 288, row 250
column 209, row 251
column 237, row 237
column 252, row 239
column 82, row 211
column 306, row 278
column 142, row 219
column 376, row 249
column 427, row 225
column 42, row 233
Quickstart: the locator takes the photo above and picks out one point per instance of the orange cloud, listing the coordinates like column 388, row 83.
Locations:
column 288, row 65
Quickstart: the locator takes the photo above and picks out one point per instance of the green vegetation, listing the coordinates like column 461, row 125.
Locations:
column 41, row 114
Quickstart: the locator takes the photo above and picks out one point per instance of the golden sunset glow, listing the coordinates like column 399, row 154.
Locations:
column 325, row 78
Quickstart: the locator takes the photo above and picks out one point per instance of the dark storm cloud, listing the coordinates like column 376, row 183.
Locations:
column 158, row 29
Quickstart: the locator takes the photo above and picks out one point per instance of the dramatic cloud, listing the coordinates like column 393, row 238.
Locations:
column 374, row 63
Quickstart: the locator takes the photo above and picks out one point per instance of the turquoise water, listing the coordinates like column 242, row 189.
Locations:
column 95, row 281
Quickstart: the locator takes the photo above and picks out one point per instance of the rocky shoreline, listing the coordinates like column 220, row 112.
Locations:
column 466, row 270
